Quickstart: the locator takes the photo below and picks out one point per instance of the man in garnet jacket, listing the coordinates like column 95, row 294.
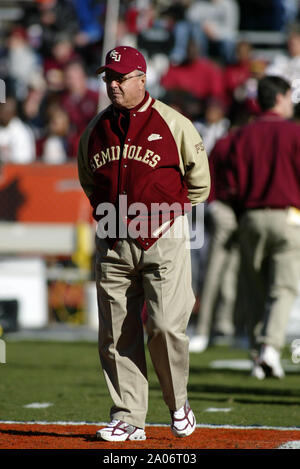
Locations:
column 265, row 164
column 142, row 165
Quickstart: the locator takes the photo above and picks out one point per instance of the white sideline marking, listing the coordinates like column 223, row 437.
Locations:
column 218, row 409
column 290, row 445
column 200, row 425
column 231, row 364
column 38, row 405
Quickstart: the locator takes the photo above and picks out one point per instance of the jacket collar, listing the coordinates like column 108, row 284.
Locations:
column 270, row 116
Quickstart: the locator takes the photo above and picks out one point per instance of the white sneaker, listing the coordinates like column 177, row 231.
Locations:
column 183, row 421
column 269, row 360
column 198, row 343
column 258, row 372
column 117, row 430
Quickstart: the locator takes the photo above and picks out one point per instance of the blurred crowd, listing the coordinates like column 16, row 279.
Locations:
column 198, row 62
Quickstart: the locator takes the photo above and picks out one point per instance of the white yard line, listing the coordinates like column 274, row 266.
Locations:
column 38, row 405
column 218, row 409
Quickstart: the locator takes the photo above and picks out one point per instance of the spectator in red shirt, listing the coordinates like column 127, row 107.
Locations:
column 78, row 100
column 241, row 82
column 239, row 71
column 198, row 75
column 62, row 52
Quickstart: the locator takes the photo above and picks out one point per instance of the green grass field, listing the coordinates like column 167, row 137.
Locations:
column 68, row 375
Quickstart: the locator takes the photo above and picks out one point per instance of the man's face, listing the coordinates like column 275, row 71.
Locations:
column 125, row 91
column 75, row 78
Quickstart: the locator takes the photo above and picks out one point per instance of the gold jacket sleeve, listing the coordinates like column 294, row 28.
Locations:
column 193, row 161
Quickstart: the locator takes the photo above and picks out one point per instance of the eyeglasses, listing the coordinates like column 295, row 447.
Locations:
column 120, row 79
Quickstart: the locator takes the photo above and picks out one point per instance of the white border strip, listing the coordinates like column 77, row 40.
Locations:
column 100, row 424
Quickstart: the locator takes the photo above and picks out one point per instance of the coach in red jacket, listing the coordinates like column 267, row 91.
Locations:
column 143, row 166
column 266, row 166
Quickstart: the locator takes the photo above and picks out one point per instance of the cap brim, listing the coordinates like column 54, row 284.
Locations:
column 100, row 70
column 116, row 68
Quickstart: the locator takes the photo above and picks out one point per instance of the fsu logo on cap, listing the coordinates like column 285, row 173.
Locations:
column 115, row 56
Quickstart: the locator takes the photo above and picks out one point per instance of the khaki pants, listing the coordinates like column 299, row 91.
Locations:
column 126, row 277
column 270, row 261
column 218, row 294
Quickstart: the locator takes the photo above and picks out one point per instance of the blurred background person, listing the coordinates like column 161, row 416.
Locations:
column 215, row 314
column 57, row 147
column 215, row 123
column 200, row 76
column 17, row 143
column 90, row 27
column 237, row 72
column 287, row 65
column 182, row 30
column 22, row 62
column 62, row 52
column 88, row 40
column 265, row 168
column 218, row 21
column 47, row 18
column 33, row 107
column 78, row 99
column 244, row 105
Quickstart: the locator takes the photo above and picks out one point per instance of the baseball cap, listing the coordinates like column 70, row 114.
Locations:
column 123, row 59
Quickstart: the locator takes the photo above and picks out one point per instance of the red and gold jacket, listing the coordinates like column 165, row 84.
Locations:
column 151, row 154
